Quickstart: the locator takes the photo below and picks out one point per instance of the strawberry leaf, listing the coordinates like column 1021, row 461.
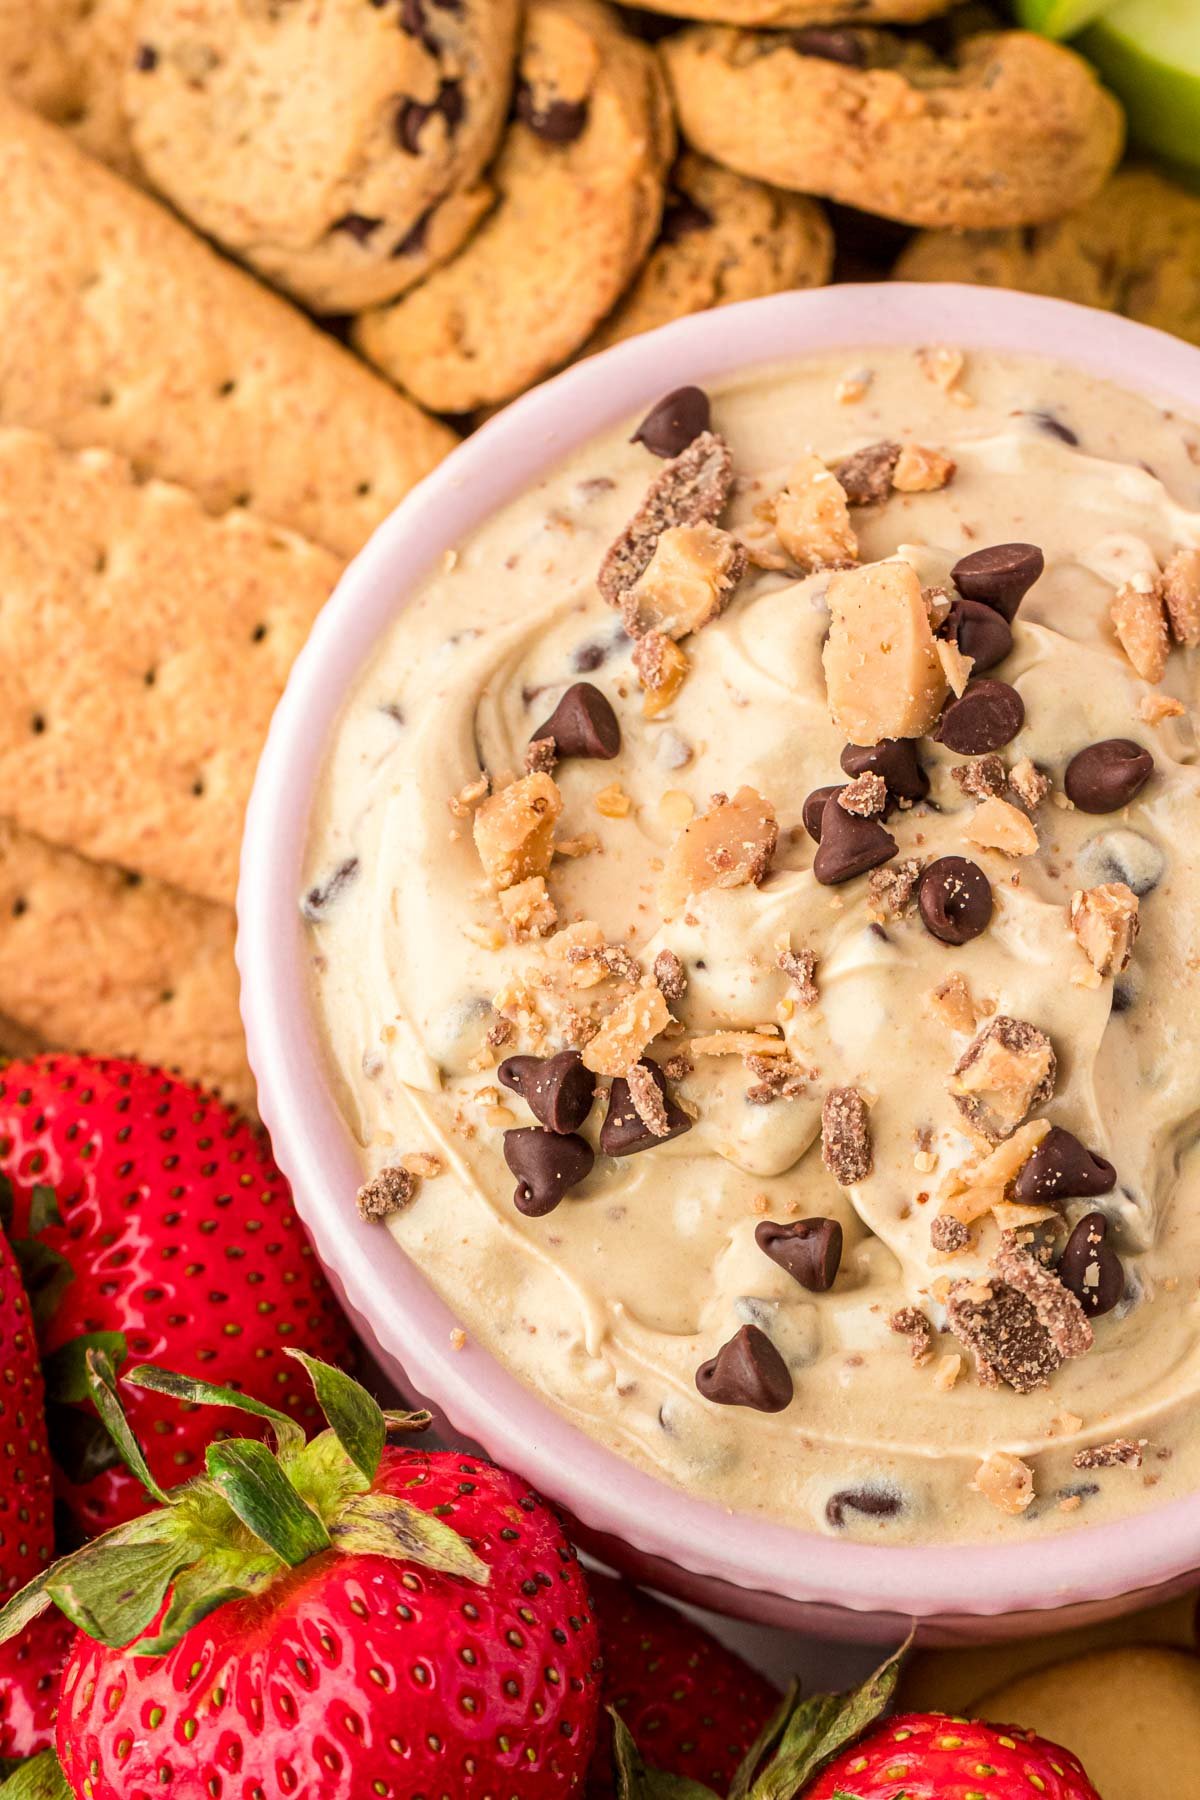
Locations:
column 637, row 1781
column 41, row 1778
column 398, row 1424
column 65, row 1370
column 102, row 1383
column 79, row 1443
column 357, row 1421
column 43, row 1209
column 288, row 1435
column 764, row 1743
column 249, row 1478
column 24, row 1607
column 820, row 1727
column 385, row 1525
column 115, row 1593
column 46, row 1275
column 200, row 1590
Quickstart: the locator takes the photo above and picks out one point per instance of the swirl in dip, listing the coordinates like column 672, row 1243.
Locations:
column 853, row 1183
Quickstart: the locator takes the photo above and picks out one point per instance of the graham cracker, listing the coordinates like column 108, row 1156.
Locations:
column 67, row 61
column 94, row 959
column 143, row 646
column 121, row 328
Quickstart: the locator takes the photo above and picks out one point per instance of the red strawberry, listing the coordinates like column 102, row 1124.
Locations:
column 343, row 1620
column 928, row 1756
column 692, row 1707
column 178, row 1229
column 26, row 1501
column 30, row 1669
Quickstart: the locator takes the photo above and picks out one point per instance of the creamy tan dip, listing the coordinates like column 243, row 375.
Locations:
column 956, row 1380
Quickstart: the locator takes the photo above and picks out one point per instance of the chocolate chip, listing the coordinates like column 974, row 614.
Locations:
column 1092, row 1271
column 849, row 845
column 676, row 421
column 624, row 1132
column 681, row 217
column 831, row 46
column 810, row 1250
column 357, row 226
column 813, row 810
column 558, row 1090
column 896, row 760
column 1054, row 427
column 1061, row 1168
column 582, row 724
column 146, row 59
column 1108, row 775
column 954, row 899
column 988, row 716
column 980, row 632
column 545, row 1166
column 318, row 899
column 874, row 1503
column 1000, row 576
column 747, row 1371
column 555, row 121
column 415, row 25
column 1126, row 856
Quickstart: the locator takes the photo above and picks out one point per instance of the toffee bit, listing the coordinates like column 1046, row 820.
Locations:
column 775, row 1079
column 866, row 476
column 890, row 889
column 1002, row 1329
column 1003, row 1075
column 800, row 967
column 541, row 756
column 1122, row 1453
column 1059, row 1311
column 670, row 976
column 1005, row 1482
column 690, row 490
column 502, row 1032
column 648, row 1100
column 846, row 1136
column 983, row 779
column 1028, row 783
column 387, row 1193
column 949, row 1235
column 866, row 796
column 614, row 959
column 910, row 1322
column 678, row 1067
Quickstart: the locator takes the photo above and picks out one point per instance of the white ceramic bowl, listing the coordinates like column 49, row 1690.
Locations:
column 745, row 1566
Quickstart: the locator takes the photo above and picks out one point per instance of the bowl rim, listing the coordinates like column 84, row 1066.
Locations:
column 389, row 1297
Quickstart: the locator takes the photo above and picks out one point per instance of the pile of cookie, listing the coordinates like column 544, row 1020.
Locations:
column 463, row 196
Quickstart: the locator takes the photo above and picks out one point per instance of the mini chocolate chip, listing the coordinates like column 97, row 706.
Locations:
column 1090, row 1269
column 582, row 724
column 1054, row 427
column 954, row 899
column 146, row 59
column 1000, row 576
column 677, row 421
column 545, row 1166
column 813, row 810
column 357, row 226
column 681, row 217
column 831, row 46
column 896, row 760
column 1061, row 1168
column 849, row 845
column 747, row 1371
column 1107, row 776
column 415, row 25
column 558, row 1090
column 874, row 1503
column 985, row 718
column 624, row 1132
column 980, row 632
column 555, row 121
column 318, row 899
column 810, row 1250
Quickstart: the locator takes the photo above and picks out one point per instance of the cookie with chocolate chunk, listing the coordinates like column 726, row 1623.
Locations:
column 802, row 12
column 338, row 147
column 1134, row 249
column 581, row 179
column 1008, row 129
column 723, row 238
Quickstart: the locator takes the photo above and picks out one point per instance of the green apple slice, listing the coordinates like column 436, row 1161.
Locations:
column 1149, row 53
column 1059, row 18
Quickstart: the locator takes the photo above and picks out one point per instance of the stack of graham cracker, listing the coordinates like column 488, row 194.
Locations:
column 185, row 463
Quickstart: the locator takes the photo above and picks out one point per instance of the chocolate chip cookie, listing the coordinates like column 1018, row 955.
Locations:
column 581, row 179
column 723, row 238
column 1134, row 249
column 337, row 146
column 1008, row 130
